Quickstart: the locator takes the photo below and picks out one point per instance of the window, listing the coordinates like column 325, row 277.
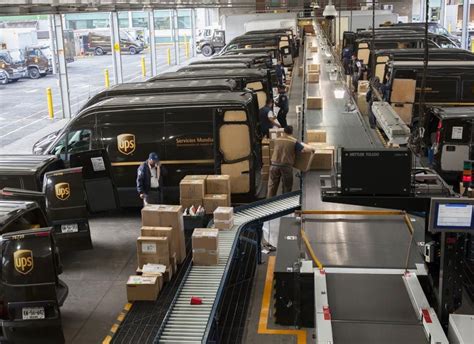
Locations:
column 77, row 141
column 162, row 23
column 184, row 22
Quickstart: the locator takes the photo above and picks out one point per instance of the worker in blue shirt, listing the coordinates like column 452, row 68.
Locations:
column 280, row 72
column 283, row 103
column 150, row 180
column 267, row 118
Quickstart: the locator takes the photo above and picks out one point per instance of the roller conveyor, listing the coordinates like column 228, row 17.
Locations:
column 186, row 323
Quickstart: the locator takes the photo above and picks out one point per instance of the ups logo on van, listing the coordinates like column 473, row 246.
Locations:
column 62, row 191
column 23, row 261
column 126, row 143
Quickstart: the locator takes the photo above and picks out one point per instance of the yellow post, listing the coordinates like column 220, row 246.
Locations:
column 143, row 66
column 449, row 27
column 168, row 51
column 107, row 79
column 186, row 47
column 472, row 45
column 49, row 98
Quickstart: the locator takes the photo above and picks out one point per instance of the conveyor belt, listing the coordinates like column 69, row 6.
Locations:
column 185, row 323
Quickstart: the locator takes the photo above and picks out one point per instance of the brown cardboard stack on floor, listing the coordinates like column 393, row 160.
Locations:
column 192, row 190
column 402, row 98
column 224, row 218
column 205, row 246
column 218, row 192
column 166, row 232
column 323, row 157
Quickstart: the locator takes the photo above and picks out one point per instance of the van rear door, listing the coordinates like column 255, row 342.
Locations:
column 98, row 183
column 29, row 283
column 66, row 208
column 456, row 144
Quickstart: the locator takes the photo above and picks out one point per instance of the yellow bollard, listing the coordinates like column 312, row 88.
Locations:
column 106, row 77
column 186, row 47
column 449, row 27
column 472, row 45
column 143, row 66
column 49, row 98
column 169, row 56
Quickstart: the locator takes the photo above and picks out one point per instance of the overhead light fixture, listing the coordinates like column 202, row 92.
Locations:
column 330, row 11
column 339, row 93
column 314, row 4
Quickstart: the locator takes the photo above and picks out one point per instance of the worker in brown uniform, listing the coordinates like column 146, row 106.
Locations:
column 283, row 158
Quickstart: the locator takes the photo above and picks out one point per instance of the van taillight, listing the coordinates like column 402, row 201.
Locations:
column 438, row 132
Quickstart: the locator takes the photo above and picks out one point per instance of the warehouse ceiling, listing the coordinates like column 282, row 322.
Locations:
column 22, row 7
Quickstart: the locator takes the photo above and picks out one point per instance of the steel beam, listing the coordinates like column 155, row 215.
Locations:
column 442, row 12
column 115, row 46
column 174, row 16
column 151, row 28
column 465, row 24
column 63, row 78
column 193, row 32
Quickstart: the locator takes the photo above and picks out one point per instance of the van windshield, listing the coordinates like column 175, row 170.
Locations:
column 17, row 55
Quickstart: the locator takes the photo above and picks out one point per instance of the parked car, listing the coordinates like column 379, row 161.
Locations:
column 12, row 66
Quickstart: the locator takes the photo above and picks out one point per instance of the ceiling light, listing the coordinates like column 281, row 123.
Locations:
column 330, row 11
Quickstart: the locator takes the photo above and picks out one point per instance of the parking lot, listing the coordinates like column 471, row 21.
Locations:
column 24, row 108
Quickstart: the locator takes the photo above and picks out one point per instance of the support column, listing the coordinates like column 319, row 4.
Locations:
column 422, row 10
column 115, row 45
column 175, row 36
column 442, row 12
column 52, row 43
column 193, row 32
column 63, row 78
column 465, row 24
column 151, row 34
column 130, row 20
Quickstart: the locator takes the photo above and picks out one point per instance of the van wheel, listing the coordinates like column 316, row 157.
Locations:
column 4, row 79
column 207, row 50
column 34, row 73
column 132, row 50
column 99, row 51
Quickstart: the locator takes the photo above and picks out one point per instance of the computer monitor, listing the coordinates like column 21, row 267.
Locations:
column 451, row 215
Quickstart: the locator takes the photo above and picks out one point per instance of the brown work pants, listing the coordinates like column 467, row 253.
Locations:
column 285, row 173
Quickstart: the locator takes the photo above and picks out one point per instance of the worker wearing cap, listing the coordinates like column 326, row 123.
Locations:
column 283, row 158
column 267, row 119
column 150, row 179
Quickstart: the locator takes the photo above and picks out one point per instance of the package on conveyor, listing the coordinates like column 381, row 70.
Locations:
column 224, row 218
column 153, row 250
column 214, row 201
column 362, row 103
column 323, row 158
column 313, row 68
column 192, row 191
column 275, row 133
column 161, row 215
column 313, row 77
column 205, row 242
column 314, row 103
column 316, row 135
column 363, row 86
column 143, row 288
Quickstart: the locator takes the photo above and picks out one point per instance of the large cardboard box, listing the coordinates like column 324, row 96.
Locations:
column 275, row 132
column 316, row 135
column 142, row 288
column 303, row 161
column 362, row 104
column 154, row 250
column 205, row 242
column 218, row 184
column 265, row 151
column 314, row 49
column 314, row 103
column 150, row 216
column 192, row 189
column 363, row 86
column 148, row 231
column 172, row 216
column 224, row 213
column 313, row 78
column 313, row 67
column 405, row 111
column 403, row 91
column 189, row 202
column 195, row 177
column 212, row 202
column 322, row 159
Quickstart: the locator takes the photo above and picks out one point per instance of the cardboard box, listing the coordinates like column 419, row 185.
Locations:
column 218, row 184
column 362, row 104
column 314, row 49
column 154, row 250
column 266, row 151
column 266, row 160
column 239, row 176
column 363, row 86
column 148, row 231
column 313, row 67
column 212, row 202
column 265, row 169
column 223, row 213
column 322, row 159
column 275, row 132
column 224, row 225
column 195, row 177
column 303, row 161
column 313, row 78
column 405, row 111
column 300, row 71
column 316, row 135
column 150, row 216
column 172, row 216
column 205, row 242
column 142, row 288
column 403, row 91
column 188, row 202
column 314, row 103
column 192, row 188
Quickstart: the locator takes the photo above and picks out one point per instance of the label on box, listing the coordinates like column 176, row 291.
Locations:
column 457, row 133
column 141, row 280
column 148, row 247
column 205, row 234
column 154, row 268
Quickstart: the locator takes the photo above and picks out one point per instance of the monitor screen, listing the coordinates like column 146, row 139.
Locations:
column 451, row 214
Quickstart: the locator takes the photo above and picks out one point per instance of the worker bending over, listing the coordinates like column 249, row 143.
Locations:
column 282, row 161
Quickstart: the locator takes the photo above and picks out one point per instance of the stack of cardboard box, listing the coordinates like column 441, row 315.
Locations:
column 218, row 192
column 160, row 233
column 192, row 190
column 266, row 158
column 313, row 73
column 205, row 243
column 323, row 157
column 362, row 89
column 224, row 218
column 402, row 98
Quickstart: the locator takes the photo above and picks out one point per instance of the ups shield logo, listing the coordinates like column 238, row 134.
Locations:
column 126, row 143
column 63, row 191
column 23, row 261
